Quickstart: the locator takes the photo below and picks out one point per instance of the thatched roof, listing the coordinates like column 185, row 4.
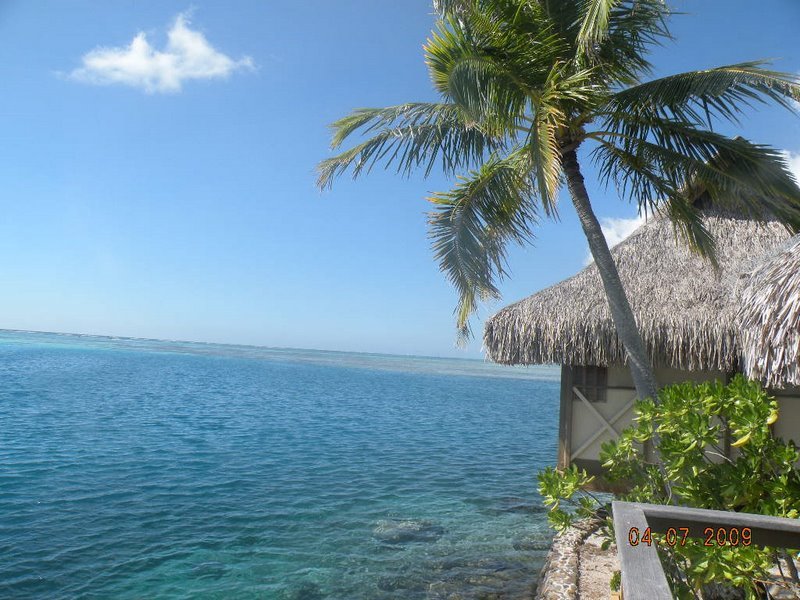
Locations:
column 684, row 307
column 770, row 318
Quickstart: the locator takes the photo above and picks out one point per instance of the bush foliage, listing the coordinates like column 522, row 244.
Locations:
column 717, row 451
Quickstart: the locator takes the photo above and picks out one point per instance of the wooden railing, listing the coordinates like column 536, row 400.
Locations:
column 643, row 577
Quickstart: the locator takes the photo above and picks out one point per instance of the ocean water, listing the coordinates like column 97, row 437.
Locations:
column 150, row 469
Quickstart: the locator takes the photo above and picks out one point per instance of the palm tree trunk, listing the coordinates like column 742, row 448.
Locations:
column 639, row 362
column 644, row 379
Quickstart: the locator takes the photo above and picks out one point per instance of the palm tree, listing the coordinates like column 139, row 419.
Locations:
column 524, row 84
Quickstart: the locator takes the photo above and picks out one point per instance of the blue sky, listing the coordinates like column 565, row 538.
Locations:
column 163, row 185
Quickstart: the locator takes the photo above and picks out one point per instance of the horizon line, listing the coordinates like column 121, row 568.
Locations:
column 264, row 347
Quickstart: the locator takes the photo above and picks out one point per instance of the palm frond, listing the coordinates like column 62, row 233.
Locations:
column 699, row 97
column 452, row 7
column 545, row 153
column 634, row 26
column 637, row 176
column 758, row 180
column 660, row 181
column 473, row 223
column 408, row 136
column 520, row 12
column 613, row 35
column 736, row 174
column 465, row 74
column 489, row 68
column 595, row 22
column 681, row 153
column 687, row 221
column 566, row 18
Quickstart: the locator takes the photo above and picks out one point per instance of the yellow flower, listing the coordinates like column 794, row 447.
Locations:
column 773, row 416
column 741, row 441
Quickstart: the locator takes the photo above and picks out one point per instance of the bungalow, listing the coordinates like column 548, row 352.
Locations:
column 699, row 321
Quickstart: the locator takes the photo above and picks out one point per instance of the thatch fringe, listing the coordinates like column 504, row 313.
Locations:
column 769, row 316
column 685, row 308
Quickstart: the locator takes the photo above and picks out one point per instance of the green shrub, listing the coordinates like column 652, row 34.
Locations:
column 616, row 581
column 717, row 450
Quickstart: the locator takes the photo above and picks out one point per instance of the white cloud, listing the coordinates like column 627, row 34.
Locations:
column 793, row 160
column 615, row 230
column 187, row 55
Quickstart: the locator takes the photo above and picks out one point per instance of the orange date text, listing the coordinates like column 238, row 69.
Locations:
column 677, row 536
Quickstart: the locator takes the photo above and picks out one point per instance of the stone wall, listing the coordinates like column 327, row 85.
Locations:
column 559, row 577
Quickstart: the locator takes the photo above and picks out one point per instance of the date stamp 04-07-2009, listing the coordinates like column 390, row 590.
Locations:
column 713, row 536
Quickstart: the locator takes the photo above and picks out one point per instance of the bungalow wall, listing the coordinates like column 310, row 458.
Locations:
column 788, row 424
column 597, row 404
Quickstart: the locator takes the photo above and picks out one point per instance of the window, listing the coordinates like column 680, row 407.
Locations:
column 591, row 381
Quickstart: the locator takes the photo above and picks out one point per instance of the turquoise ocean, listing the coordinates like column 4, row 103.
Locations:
column 141, row 469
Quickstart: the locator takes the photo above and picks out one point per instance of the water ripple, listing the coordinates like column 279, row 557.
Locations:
column 135, row 468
